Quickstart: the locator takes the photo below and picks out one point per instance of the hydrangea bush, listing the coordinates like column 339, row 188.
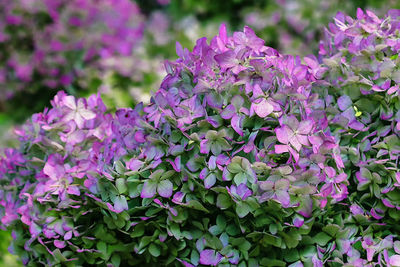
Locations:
column 360, row 96
column 237, row 160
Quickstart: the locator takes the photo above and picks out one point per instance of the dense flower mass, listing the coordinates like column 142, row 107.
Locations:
column 362, row 103
column 243, row 157
column 50, row 42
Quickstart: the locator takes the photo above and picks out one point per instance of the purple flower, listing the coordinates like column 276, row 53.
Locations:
column 240, row 192
column 78, row 111
column 369, row 245
column 210, row 257
column 277, row 190
column 333, row 185
column 262, row 106
column 235, row 112
column 294, row 133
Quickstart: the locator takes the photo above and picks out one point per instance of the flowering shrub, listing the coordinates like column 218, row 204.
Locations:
column 48, row 42
column 237, row 160
column 361, row 99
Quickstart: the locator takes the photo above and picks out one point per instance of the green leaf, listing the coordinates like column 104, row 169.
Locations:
column 331, row 229
column 120, row 183
column 240, row 178
column 194, row 257
column 291, row 255
column 232, row 230
column 138, row 231
column 291, row 240
column 322, row 238
column 213, row 242
column 268, row 262
column 154, row 250
column 156, row 175
column 236, row 165
column 215, row 230
column 168, row 174
column 102, row 247
column 223, row 201
column 273, row 228
column 195, row 204
column 221, row 222
column 116, row 260
column 308, row 251
column 271, row 240
column 119, row 167
column 144, row 241
column 59, row 256
column 134, row 189
column 245, row 245
column 175, row 230
column 133, row 178
column 242, row 209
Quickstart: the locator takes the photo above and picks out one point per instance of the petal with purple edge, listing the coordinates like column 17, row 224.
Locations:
column 356, row 125
column 305, row 127
column 149, row 189
column 204, row 147
column 165, row 188
column 35, row 229
column 120, row 204
column 69, row 101
column 283, row 197
column 294, row 141
column 68, row 235
column 344, row 102
column 73, row 190
column 370, row 253
column 282, row 184
column 237, row 101
column 210, row 257
column 210, row 181
column 282, row 134
column 87, row 114
column 59, row 244
column 394, row 260
column 237, row 124
column 227, row 59
column 266, row 185
column 298, row 221
column 134, row 164
column 228, row 112
column 263, row 108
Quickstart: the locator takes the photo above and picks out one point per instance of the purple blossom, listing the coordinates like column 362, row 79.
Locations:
column 277, row 190
column 210, row 257
column 241, row 191
column 294, row 133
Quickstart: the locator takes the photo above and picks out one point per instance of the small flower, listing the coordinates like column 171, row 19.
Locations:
column 78, row 111
column 277, row 190
column 294, row 133
column 240, row 192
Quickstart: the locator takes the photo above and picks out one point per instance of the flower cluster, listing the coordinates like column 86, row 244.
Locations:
column 240, row 158
column 57, row 151
column 361, row 98
column 50, row 42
